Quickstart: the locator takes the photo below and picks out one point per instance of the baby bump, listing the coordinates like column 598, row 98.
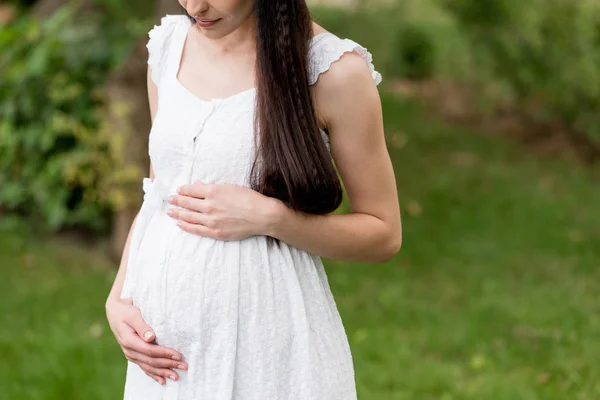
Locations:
column 182, row 280
column 202, row 290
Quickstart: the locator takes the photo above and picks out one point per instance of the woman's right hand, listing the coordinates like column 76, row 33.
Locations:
column 135, row 338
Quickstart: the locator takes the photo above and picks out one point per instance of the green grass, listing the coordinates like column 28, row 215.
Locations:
column 493, row 296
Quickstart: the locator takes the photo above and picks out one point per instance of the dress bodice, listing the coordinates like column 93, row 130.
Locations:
column 212, row 140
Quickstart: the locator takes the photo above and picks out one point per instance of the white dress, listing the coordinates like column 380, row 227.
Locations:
column 252, row 323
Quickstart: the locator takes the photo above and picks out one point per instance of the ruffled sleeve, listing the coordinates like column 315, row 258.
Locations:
column 158, row 45
column 327, row 48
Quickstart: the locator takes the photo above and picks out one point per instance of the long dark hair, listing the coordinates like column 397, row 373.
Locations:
column 292, row 162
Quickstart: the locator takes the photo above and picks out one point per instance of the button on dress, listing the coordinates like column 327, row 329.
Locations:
column 252, row 322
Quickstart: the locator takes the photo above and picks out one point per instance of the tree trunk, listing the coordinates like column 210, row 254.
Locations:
column 127, row 85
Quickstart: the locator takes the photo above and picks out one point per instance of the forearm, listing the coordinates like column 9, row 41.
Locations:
column 346, row 237
column 115, row 292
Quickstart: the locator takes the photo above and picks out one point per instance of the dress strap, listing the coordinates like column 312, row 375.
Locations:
column 165, row 41
column 326, row 48
column 178, row 40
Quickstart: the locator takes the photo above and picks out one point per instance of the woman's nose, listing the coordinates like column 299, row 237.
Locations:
column 197, row 7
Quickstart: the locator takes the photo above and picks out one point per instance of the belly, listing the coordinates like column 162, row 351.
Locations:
column 192, row 284
column 240, row 308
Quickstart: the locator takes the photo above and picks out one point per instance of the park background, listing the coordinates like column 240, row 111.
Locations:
column 492, row 122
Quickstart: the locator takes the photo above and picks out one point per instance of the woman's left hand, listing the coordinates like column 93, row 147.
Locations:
column 223, row 211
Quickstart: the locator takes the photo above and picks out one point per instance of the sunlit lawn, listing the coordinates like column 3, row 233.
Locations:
column 493, row 296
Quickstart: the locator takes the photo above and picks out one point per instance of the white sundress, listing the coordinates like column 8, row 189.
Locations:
column 253, row 323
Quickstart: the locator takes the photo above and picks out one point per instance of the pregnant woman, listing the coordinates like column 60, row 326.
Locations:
column 221, row 292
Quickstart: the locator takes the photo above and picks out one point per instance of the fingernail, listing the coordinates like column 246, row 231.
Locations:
column 181, row 366
column 148, row 335
column 177, row 358
column 173, row 377
column 171, row 199
column 170, row 212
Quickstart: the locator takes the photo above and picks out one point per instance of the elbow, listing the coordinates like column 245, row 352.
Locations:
column 391, row 247
column 394, row 247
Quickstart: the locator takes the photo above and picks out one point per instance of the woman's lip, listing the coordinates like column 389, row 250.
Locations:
column 206, row 23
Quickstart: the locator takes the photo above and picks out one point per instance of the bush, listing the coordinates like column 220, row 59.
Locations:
column 541, row 57
column 56, row 155
column 427, row 42
column 408, row 39
column 548, row 56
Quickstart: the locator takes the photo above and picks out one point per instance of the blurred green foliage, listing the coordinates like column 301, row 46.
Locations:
column 57, row 156
column 544, row 59
column 547, row 55
column 416, row 39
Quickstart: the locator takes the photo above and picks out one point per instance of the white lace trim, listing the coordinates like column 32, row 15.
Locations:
column 158, row 43
column 328, row 48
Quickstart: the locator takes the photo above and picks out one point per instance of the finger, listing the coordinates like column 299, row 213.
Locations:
column 131, row 341
column 164, row 372
column 197, row 189
column 192, row 217
column 136, row 321
column 133, row 359
column 157, row 378
column 155, row 362
column 191, row 203
column 199, row 230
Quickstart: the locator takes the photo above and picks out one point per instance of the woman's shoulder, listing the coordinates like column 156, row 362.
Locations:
column 159, row 39
column 169, row 21
column 327, row 49
column 164, row 30
column 344, row 80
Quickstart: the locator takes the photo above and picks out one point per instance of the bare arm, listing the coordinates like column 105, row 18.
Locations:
column 350, row 106
column 117, row 286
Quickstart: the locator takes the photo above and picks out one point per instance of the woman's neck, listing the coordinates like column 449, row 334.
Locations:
column 241, row 40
